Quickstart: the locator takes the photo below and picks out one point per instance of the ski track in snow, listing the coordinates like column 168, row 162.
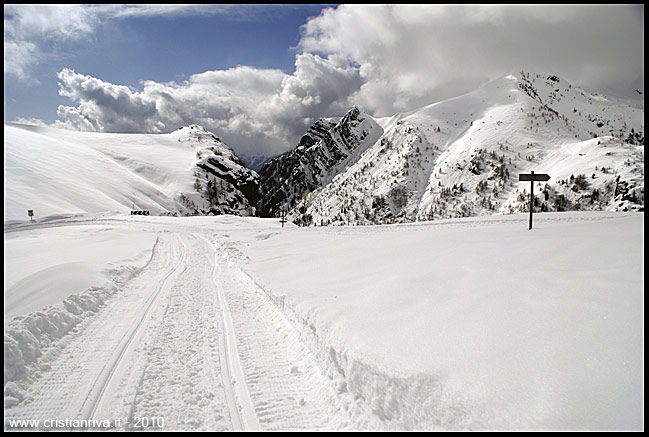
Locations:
column 194, row 343
column 191, row 343
column 89, row 361
column 286, row 382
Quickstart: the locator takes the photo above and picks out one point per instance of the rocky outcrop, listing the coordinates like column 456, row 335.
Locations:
column 223, row 184
column 324, row 151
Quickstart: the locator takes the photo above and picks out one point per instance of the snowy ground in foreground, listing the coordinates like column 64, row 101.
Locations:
column 457, row 324
column 46, row 265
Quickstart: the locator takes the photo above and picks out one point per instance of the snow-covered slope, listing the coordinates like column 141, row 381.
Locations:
column 55, row 171
column 455, row 324
column 456, row 158
column 461, row 157
column 328, row 148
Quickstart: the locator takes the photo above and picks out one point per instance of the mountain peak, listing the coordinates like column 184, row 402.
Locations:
column 324, row 151
column 461, row 157
column 196, row 132
column 193, row 128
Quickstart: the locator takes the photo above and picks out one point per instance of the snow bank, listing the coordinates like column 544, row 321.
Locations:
column 470, row 324
column 43, row 265
column 30, row 338
column 55, row 278
column 378, row 398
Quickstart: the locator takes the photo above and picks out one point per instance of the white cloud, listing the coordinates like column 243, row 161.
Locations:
column 19, row 56
column 30, row 121
column 29, row 29
column 254, row 110
column 426, row 53
column 103, row 104
column 75, row 119
column 56, row 21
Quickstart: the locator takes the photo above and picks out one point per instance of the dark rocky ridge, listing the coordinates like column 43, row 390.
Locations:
column 319, row 156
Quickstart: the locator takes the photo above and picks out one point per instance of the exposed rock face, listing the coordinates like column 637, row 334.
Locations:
column 223, row 184
column 324, row 151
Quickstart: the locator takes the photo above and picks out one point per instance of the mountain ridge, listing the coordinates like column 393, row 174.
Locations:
column 322, row 152
column 185, row 172
column 460, row 157
column 454, row 158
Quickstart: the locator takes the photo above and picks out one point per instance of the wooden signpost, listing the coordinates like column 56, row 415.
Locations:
column 532, row 178
column 30, row 213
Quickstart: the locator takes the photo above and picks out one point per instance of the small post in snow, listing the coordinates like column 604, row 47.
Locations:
column 304, row 212
column 532, row 178
column 30, row 213
column 282, row 220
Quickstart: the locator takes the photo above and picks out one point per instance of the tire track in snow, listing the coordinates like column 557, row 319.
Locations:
column 189, row 375
column 287, row 384
column 76, row 381
column 94, row 398
column 242, row 412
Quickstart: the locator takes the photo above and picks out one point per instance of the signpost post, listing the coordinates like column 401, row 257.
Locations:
column 532, row 178
column 304, row 212
column 30, row 213
column 283, row 218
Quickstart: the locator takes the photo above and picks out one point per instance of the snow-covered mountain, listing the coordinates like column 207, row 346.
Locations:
column 223, row 183
column 328, row 147
column 455, row 158
column 461, row 157
column 188, row 171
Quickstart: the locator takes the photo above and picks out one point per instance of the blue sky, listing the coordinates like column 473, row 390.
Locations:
column 168, row 47
column 162, row 48
column 259, row 75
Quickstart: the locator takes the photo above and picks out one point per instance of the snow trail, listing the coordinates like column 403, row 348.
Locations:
column 235, row 324
column 96, row 395
column 189, row 344
column 242, row 412
column 287, row 382
column 182, row 378
column 88, row 358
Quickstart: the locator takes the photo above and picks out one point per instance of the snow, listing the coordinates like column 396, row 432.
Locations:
column 473, row 323
column 510, row 327
column 54, row 171
column 47, row 264
column 237, row 323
